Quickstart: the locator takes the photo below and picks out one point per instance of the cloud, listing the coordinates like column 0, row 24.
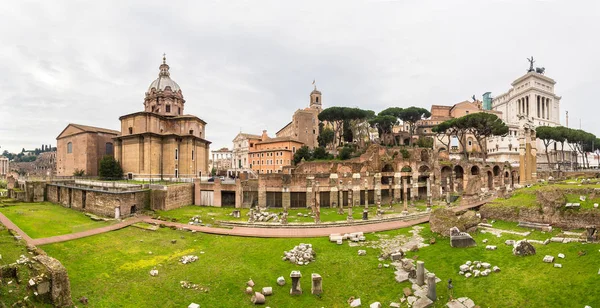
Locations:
column 249, row 64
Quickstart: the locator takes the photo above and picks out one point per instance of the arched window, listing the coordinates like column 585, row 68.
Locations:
column 70, row 147
column 168, row 108
column 317, row 99
column 109, row 148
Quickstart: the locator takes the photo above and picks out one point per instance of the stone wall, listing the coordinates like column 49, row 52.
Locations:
column 99, row 202
column 168, row 197
column 179, row 195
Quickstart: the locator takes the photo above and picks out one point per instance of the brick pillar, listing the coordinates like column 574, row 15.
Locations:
column 239, row 194
column 262, row 193
column 377, row 188
column 414, row 192
column 533, row 162
column 397, row 186
column 522, row 159
column 404, row 191
column 355, row 189
column 428, row 191
column 333, row 195
column 285, row 198
column 217, row 192
column 197, row 191
column 310, row 195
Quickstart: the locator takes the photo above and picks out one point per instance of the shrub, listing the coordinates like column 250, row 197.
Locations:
column 110, row 168
column 303, row 152
column 320, row 153
column 405, row 153
column 79, row 172
column 345, row 153
column 425, row 142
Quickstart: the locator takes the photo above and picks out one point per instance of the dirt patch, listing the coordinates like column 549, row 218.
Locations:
column 441, row 220
column 553, row 198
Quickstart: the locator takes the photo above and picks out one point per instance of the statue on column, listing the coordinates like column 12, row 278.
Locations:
column 531, row 61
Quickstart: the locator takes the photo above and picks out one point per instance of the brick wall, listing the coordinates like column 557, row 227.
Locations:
column 172, row 196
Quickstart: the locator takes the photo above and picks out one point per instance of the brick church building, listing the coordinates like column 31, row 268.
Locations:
column 160, row 142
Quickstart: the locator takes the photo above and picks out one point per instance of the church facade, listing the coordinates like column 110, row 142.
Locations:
column 162, row 142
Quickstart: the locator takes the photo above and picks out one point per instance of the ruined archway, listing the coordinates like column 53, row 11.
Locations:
column 459, row 177
column 446, row 180
column 496, row 170
column 506, row 178
column 387, row 168
column 474, row 170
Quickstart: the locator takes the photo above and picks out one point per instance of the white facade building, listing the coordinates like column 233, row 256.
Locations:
column 221, row 160
column 531, row 99
column 3, row 165
column 242, row 143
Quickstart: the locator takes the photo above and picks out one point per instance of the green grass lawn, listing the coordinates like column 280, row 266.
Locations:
column 526, row 198
column 587, row 204
column 523, row 281
column 115, row 271
column 112, row 270
column 46, row 219
column 210, row 214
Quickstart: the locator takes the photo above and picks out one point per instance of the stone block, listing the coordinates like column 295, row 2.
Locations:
column 548, row 259
column 558, row 265
column 423, row 302
column 280, row 281
column 375, row 305
column 267, row 291
column 355, row 303
column 193, row 305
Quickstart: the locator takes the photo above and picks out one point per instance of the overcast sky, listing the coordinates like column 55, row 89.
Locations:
column 249, row 64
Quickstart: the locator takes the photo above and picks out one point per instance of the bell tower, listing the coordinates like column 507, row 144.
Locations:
column 315, row 100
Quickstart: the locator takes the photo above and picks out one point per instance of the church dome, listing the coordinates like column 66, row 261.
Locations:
column 164, row 80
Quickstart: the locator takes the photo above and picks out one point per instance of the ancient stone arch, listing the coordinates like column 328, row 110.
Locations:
column 474, row 170
column 387, row 168
column 496, row 170
column 459, row 173
column 424, row 169
column 490, row 180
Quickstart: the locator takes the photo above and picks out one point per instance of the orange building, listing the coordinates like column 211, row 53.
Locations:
column 270, row 155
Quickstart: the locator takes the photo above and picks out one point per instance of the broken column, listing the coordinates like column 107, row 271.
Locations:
column 428, row 191
column 267, row 291
column 431, row 294
column 349, row 218
column 591, row 233
column 316, row 287
column 420, row 273
column 296, row 288
column 405, row 193
column 448, row 190
column 257, row 299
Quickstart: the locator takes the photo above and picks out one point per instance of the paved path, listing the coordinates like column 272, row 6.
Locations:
column 72, row 236
column 10, row 225
column 236, row 231
column 310, row 232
